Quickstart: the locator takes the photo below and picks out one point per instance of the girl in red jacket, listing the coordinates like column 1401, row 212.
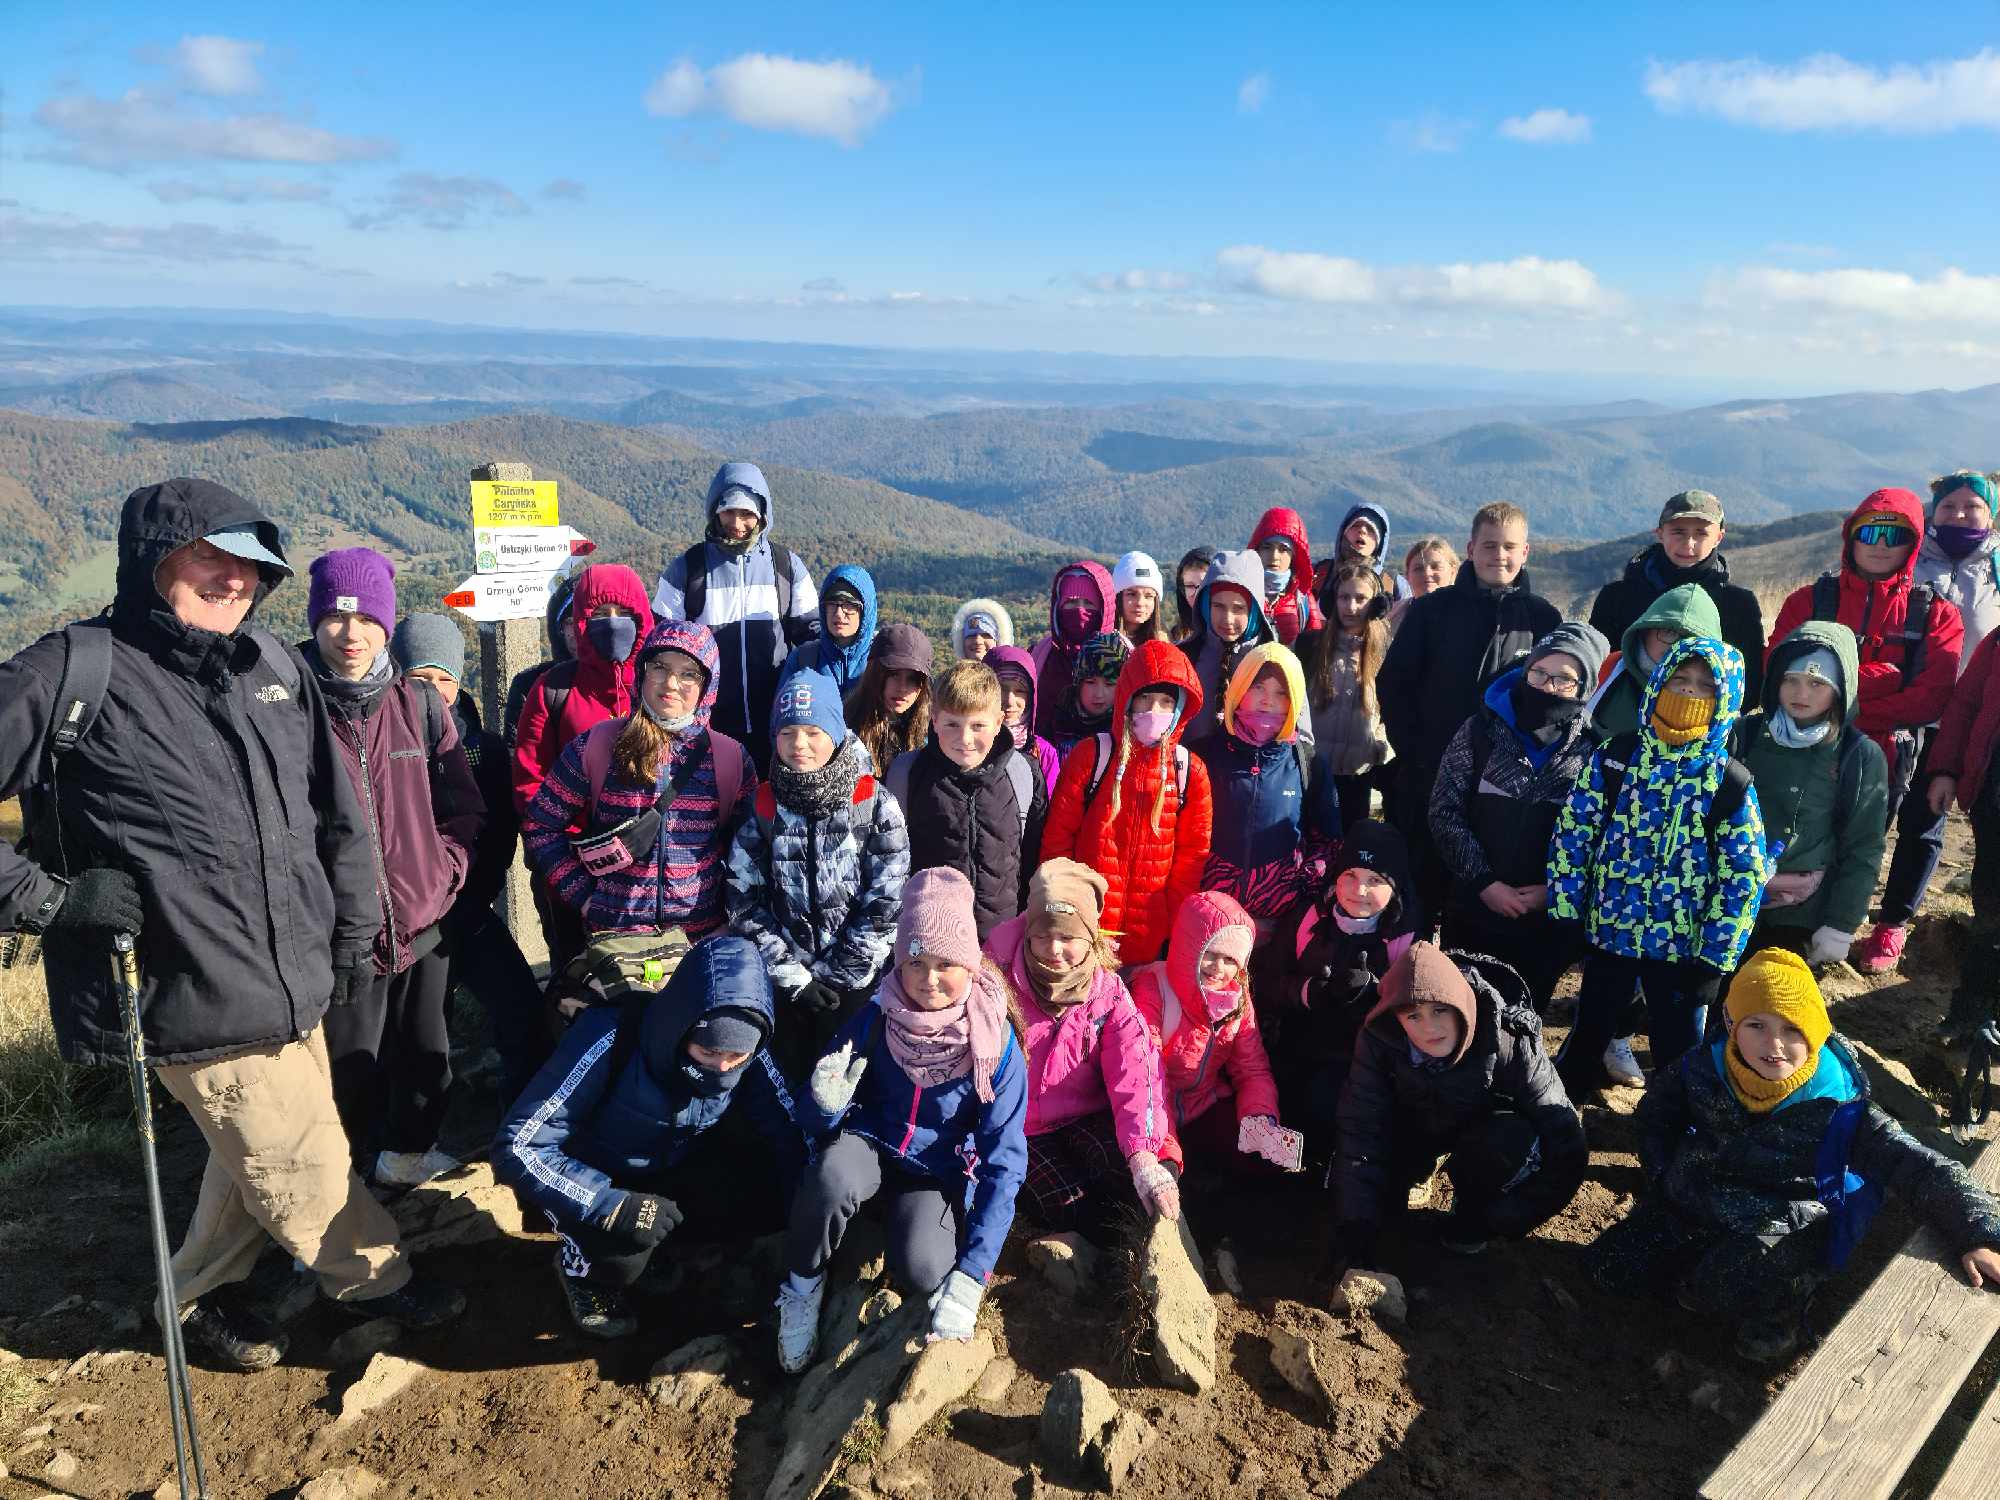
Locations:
column 1136, row 808
column 1280, row 540
column 1196, row 1004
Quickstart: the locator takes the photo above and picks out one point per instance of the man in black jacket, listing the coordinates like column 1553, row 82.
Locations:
column 205, row 810
column 1687, row 549
column 1453, row 642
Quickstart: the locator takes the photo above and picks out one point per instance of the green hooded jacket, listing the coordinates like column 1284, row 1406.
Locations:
column 1799, row 792
column 1614, row 709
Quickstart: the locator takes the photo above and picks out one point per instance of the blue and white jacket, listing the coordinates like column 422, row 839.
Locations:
column 577, row 1139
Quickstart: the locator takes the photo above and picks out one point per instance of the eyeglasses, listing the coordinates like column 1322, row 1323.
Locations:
column 1554, row 682
column 1882, row 534
column 677, row 677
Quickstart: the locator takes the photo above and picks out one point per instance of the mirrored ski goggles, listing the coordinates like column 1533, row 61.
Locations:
column 1882, row 534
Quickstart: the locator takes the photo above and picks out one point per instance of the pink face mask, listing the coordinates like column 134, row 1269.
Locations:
column 1150, row 727
column 1257, row 726
column 1219, row 1003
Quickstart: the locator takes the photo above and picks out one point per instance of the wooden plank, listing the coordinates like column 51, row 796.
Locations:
column 1848, row 1425
column 1975, row 1472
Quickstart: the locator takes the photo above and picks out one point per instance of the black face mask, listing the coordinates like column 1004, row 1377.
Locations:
column 612, row 637
column 708, row 1083
column 1536, row 709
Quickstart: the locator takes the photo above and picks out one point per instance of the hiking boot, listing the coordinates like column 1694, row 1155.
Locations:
column 408, row 1169
column 1769, row 1341
column 1622, row 1065
column 798, row 1325
column 421, row 1302
column 599, row 1312
column 1883, row 949
column 232, row 1333
column 1968, row 1015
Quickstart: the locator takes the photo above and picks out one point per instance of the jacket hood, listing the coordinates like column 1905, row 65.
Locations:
column 1727, row 665
column 739, row 476
column 606, row 583
column 1245, row 570
column 1090, row 580
column 1270, row 654
column 1002, row 621
column 1157, row 664
column 1687, row 609
column 1423, row 975
column 1899, row 503
column 692, row 638
column 1023, row 663
column 161, row 518
column 1203, row 917
column 1376, row 517
column 1812, row 636
column 1281, row 520
column 854, row 658
column 723, row 973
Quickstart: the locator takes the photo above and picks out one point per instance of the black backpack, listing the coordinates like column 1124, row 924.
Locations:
column 694, row 593
column 1916, row 619
column 1617, row 755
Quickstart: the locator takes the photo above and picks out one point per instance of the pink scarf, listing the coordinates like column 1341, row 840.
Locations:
column 935, row 1046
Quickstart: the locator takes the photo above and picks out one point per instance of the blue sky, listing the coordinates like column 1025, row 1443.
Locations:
column 1798, row 195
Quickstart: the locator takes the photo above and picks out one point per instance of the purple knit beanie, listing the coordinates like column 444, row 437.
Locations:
column 352, row 581
column 936, row 920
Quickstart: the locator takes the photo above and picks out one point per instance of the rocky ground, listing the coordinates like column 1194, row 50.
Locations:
column 1508, row 1375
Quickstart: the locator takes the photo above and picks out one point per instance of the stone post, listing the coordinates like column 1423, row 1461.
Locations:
column 506, row 648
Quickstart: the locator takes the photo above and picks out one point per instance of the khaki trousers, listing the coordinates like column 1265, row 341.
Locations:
column 278, row 1165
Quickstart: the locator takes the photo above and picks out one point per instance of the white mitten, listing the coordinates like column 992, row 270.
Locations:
column 1260, row 1135
column 1159, row 1194
column 835, row 1077
column 1829, row 945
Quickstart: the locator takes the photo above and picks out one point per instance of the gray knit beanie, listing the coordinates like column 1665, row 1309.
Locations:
column 1575, row 638
column 424, row 640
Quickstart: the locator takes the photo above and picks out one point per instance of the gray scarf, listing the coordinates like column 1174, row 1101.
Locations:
column 814, row 794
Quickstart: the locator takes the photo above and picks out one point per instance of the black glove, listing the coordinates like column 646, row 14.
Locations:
column 99, row 903
column 350, row 979
column 814, row 996
column 645, row 1219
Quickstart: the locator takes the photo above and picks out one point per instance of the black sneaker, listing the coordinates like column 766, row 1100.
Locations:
column 599, row 1312
column 232, row 1333
column 420, row 1302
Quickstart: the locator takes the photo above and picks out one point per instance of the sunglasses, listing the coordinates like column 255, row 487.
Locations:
column 1882, row 534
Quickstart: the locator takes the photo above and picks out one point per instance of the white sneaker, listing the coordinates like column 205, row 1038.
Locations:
column 1622, row 1065
column 413, row 1169
column 798, row 1325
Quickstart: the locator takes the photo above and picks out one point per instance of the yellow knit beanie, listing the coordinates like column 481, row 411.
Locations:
column 1774, row 981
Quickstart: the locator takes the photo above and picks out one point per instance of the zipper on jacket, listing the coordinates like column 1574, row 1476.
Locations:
column 812, row 880
column 1200, row 1072
column 910, row 1125
column 742, row 603
column 375, row 846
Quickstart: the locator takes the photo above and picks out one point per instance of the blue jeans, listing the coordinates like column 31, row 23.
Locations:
column 1677, row 1000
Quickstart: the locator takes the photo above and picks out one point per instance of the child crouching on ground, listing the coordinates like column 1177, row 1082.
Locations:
column 920, row 1103
column 1095, row 1114
column 1197, row 1007
column 1451, row 1064
column 1763, row 1160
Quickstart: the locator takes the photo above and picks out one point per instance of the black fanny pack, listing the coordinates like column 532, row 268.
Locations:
column 625, row 844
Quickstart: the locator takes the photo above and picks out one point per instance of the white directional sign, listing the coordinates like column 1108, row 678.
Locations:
column 502, row 596
column 525, row 549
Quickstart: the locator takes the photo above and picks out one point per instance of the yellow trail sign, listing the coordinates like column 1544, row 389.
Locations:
column 498, row 503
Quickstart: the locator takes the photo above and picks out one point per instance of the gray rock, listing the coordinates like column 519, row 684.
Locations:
column 997, row 1381
column 467, row 1207
column 1078, row 1409
column 1228, row 1271
column 363, row 1342
column 39, row 1430
column 1116, row 1449
column 350, row 1482
column 1376, row 1294
column 1067, row 1262
column 686, row 1378
column 943, row 1373
column 840, row 1394
column 385, row 1378
column 1182, row 1312
column 1294, row 1356
column 62, row 1467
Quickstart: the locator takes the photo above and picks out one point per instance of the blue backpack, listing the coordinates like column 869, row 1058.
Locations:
column 1850, row 1200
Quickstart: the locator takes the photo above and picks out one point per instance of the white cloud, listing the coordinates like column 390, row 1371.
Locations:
column 37, row 236
column 220, row 66
column 236, row 190
column 1430, row 132
column 139, row 128
column 1951, row 296
column 837, row 100
column 1827, row 92
column 1138, row 281
column 1547, row 127
column 1253, row 93
column 438, row 202
column 1526, row 284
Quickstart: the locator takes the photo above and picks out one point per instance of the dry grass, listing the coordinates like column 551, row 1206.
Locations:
column 49, row 1111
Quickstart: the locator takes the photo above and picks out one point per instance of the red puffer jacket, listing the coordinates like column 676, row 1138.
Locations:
column 1204, row 1064
column 1151, row 870
column 1875, row 609
column 1971, row 725
column 1295, row 611
column 598, row 689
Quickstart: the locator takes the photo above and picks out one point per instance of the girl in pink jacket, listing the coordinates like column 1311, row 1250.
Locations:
column 1196, row 1003
column 1095, row 1108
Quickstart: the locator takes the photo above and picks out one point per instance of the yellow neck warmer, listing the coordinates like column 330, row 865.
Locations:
column 1679, row 719
column 1761, row 1095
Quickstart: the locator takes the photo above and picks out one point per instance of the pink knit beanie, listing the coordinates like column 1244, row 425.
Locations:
column 936, row 920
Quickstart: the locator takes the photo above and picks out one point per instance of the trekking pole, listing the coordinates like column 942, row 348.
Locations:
column 180, row 1395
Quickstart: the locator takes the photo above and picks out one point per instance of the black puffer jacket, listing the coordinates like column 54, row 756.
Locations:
column 1649, row 574
column 1452, row 642
column 970, row 821
column 1504, row 1067
column 212, row 778
column 1757, row 1174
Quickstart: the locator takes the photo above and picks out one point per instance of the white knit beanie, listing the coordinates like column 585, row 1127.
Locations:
column 1136, row 570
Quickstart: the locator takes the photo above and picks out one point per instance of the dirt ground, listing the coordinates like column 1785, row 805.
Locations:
column 1513, row 1377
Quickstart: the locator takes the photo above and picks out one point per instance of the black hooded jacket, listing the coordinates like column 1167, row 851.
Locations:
column 211, row 776
column 1649, row 574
